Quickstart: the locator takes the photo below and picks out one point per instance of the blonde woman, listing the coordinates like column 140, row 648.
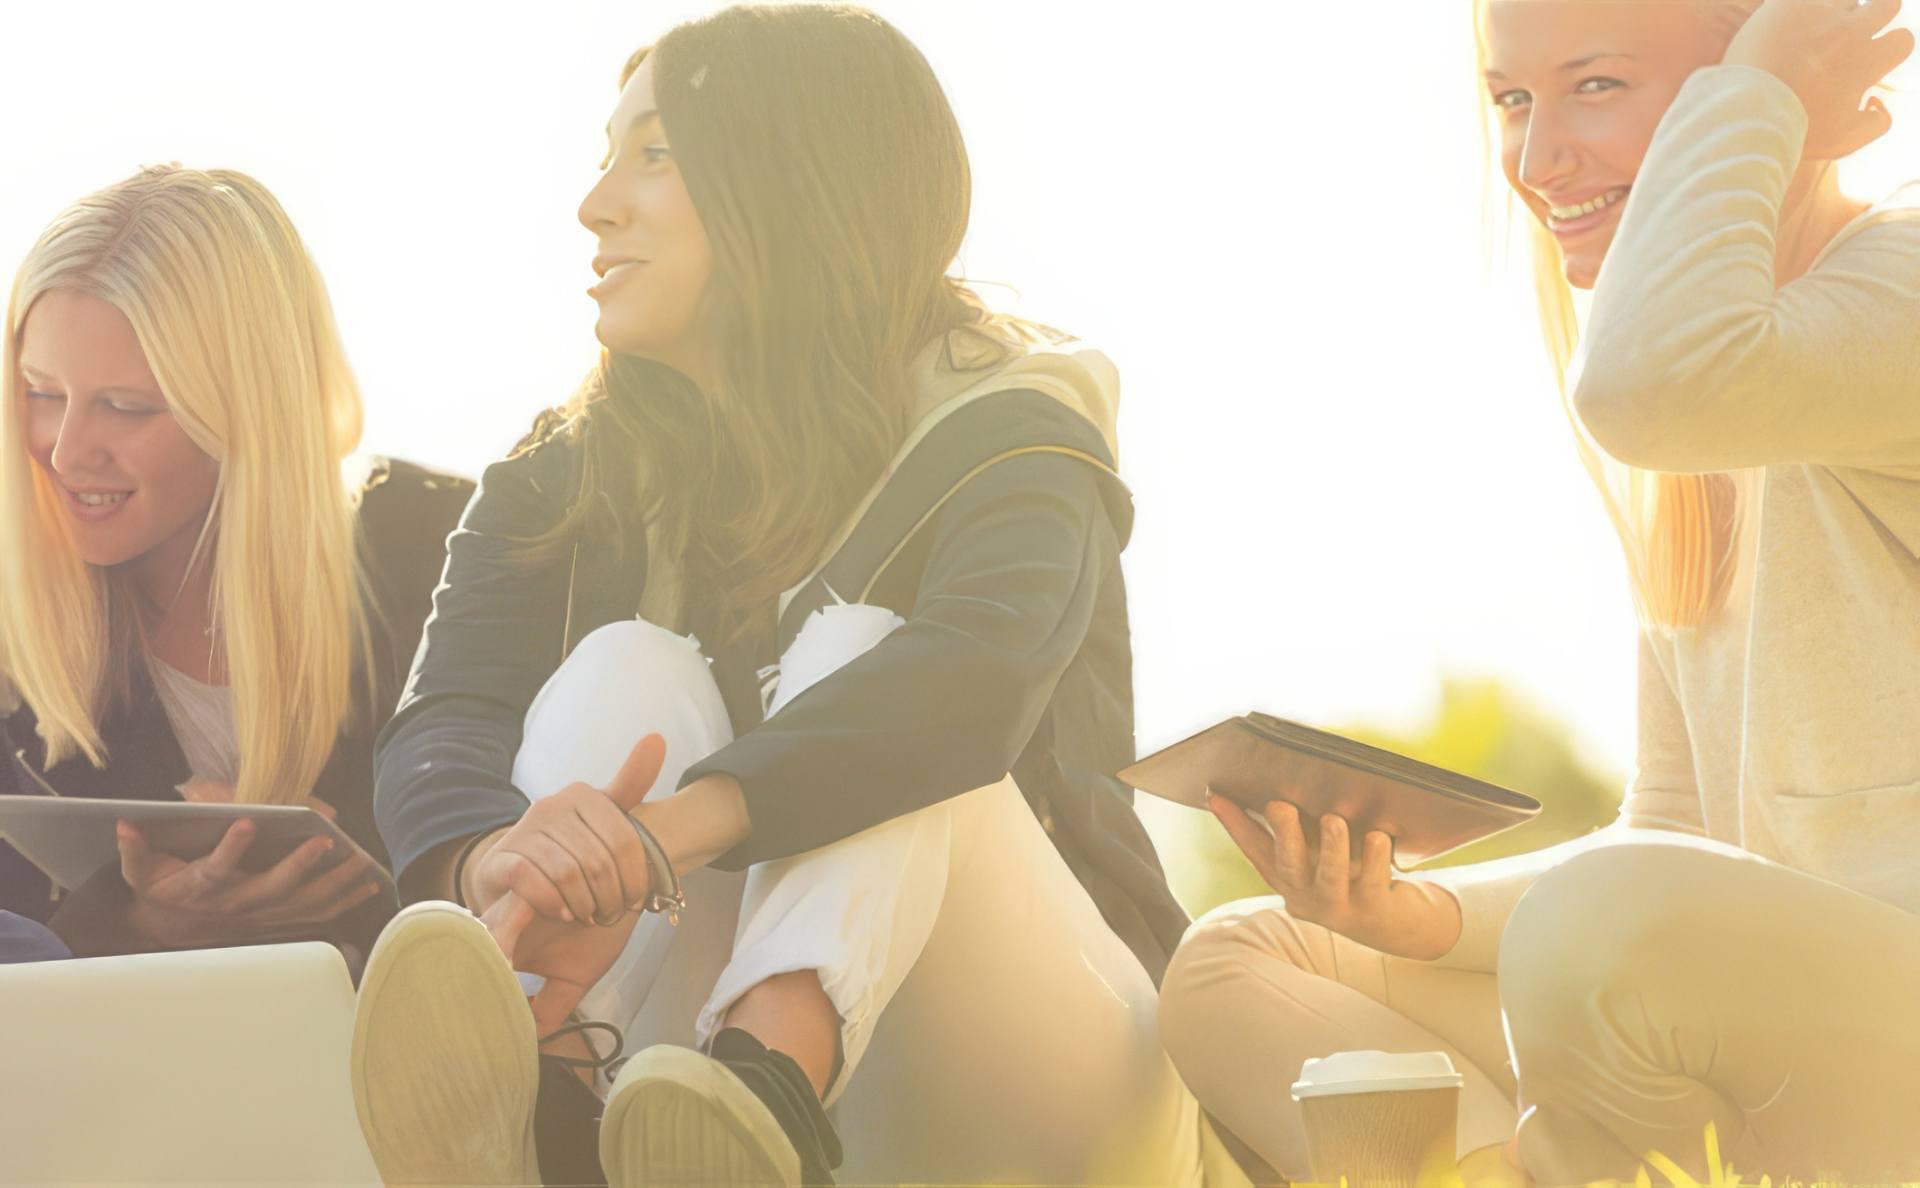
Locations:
column 1750, row 380
column 197, row 602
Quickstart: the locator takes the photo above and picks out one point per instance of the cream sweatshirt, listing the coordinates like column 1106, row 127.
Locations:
column 1789, row 725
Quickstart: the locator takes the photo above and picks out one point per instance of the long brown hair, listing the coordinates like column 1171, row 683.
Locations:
column 830, row 176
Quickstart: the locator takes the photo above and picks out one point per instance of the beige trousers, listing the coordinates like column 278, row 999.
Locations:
column 1648, row 988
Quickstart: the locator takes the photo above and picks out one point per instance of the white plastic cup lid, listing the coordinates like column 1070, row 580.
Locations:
column 1376, row 1072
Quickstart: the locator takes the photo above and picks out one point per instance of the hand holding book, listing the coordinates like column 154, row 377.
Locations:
column 1327, row 820
column 1402, row 917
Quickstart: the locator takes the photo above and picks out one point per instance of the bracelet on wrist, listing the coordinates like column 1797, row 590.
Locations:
column 460, row 867
column 664, row 893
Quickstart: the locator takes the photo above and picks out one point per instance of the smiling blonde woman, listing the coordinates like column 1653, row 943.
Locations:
column 197, row 602
column 1748, row 393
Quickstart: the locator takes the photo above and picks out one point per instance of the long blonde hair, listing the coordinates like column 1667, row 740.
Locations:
column 236, row 325
column 1677, row 530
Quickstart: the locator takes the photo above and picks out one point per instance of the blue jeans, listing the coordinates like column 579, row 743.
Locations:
column 23, row 940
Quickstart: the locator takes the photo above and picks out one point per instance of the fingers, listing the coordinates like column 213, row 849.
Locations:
column 614, row 830
column 319, row 898
column 1890, row 50
column 560, row 889
column 200, row 791
column 592, row 850
column 1877, row 14
column 1870, row 125
column 136, row 860
column 507, row 920
column 323, row 808
column 271, row 886
column 311, row 906
column 637, row 775
column 1247, row 834
column 1376, row 866
column 1290, row 850
column 219, row 868
column 1330, row 878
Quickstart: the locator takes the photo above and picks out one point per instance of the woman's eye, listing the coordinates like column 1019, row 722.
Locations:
column 133, row 410
column 1593, row 86
column 653, row 154
column 1509, row 100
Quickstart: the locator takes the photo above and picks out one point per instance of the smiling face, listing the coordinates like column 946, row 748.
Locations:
column 1579, row 87
column 654, row 260
column 133, row 486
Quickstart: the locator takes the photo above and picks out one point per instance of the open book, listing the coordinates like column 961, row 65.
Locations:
column 1257, row 758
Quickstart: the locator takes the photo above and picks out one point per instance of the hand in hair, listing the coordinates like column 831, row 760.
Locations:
column 1830, row 52
column 211, row 900
column 574, row 856
column 1400, row 917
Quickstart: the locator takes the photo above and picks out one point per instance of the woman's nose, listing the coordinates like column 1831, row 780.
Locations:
column 600, row 209
column 1547, row 155
column 77, row 448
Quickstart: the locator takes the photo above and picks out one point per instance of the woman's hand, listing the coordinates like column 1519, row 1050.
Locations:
column 1830, row 52
column 571, row 957
column 210, row 900
column 1401, row 917
column 574, row 856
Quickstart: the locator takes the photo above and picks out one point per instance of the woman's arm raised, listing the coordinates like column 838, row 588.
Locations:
column 1695, row 359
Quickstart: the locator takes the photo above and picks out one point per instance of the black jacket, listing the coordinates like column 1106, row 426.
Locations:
column 1015, row 657
column 405, row 515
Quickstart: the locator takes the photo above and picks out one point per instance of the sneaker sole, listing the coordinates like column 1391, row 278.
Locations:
column 678, row 1117
column 445, row 1064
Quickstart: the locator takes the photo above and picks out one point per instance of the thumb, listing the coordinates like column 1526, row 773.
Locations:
column 637, row 775
column 1863, row 129
column 507, row 919
column 134, row 856
column 200, row 791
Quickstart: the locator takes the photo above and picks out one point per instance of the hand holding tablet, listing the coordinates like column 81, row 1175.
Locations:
column 180, row 902
column 202, row 870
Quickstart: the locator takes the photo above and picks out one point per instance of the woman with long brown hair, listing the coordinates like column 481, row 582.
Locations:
column 803, row 624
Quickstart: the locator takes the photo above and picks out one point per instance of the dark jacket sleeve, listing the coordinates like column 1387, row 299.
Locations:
column 443, row 764
column 947, row 702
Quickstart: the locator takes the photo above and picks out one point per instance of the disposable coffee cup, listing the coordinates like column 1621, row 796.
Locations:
column 1380, row 1119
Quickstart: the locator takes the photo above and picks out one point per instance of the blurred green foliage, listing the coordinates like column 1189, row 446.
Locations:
column 1480, row 728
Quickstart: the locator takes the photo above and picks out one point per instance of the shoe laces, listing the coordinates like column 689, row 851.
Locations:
column 609, row 1064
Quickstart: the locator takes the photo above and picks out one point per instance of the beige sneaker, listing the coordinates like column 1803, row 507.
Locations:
column 445, row 1062
column 676, row 1116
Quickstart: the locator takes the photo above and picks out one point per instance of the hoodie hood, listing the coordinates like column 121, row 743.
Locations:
column 976, row 361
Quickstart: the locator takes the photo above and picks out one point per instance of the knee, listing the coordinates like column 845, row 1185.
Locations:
column 1600, row 922
column 1212, row 974
column 626, row 657
column 622, row 681
column 647, row 672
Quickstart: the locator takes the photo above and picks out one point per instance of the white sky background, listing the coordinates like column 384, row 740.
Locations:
column 1351, row 468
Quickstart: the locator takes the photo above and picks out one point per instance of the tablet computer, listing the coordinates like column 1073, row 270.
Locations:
column 70, row 838
column 1257, row 758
